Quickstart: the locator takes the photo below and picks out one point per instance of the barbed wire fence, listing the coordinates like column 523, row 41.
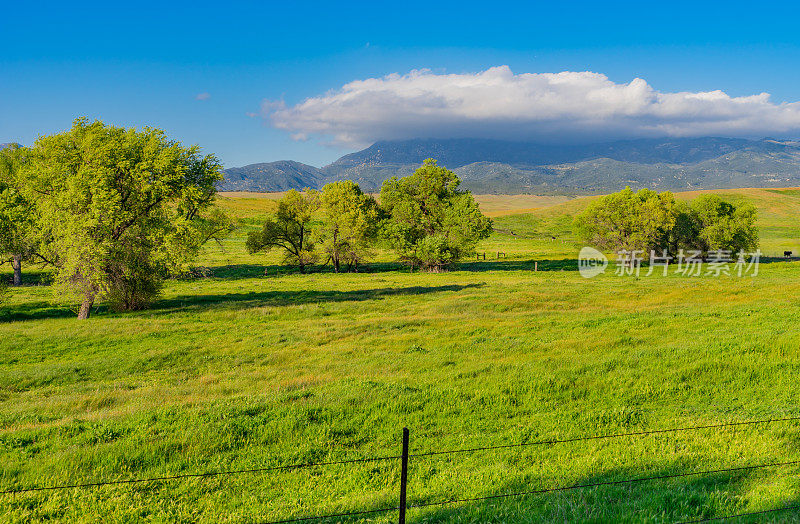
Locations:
column 403, row 506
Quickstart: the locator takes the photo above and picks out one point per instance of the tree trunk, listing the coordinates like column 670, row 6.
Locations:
column 336, row 264
column 16, row 263
column 86, row 307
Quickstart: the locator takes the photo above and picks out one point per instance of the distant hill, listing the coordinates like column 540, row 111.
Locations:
column 493, row 166
column 272, row 176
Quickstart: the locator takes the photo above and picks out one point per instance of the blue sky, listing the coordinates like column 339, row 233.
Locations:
column 146, row 65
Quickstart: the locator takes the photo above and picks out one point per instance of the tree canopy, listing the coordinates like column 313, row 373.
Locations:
column 722, row 226
column 289, row 229
column 18, row 237
column 627, row 220
column 121, row 209
column 350, row 223
column 646, row 220
column 431, row 222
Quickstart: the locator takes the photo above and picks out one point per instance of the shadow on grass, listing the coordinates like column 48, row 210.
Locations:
column 33, row 277
column 519, row 265
column 34, row 311
column 296, row 297
column 773, row 260
column 247, row 271
column 239, row 271
column 560, row 265
column 44, row 310
column 688, row 498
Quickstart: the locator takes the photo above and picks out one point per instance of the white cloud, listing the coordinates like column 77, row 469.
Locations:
column 550, row 107
column 202, row 96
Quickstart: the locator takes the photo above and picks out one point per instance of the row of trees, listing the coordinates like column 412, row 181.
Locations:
column 116, row 211
column 646, row 220
column 113, row 211
column 424, row 217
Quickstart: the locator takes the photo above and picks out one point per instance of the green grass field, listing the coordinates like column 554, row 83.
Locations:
column 243, row 370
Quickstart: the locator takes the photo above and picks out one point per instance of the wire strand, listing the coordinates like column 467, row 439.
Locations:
column 196, row 475
column 599, row 437
column 607, row 483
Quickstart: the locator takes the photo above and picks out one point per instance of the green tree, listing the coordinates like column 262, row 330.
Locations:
column 122, row 209
column 17, row 215
column 640, row 221
column 350, row 224
column 431, row 222
column 720, row 225
column 289, row 229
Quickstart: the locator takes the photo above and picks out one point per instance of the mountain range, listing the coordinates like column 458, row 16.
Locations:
column 495, row 166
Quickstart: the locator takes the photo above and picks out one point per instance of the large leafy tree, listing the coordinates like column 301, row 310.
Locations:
column 717, row 225
column 646, row 220
column 431, row 222
column 289, row 230
column 628, row 220
column 122, row 209
column 18, row 238
column 350, row 224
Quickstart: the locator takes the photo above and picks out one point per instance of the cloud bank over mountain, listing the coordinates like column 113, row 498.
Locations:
column 544, row 107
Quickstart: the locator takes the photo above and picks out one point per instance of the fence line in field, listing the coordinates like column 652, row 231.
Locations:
column 405, row 456
column 196, row 475
column 599, row 437
column 605, row 483
column 568, row 488
column 334, row 515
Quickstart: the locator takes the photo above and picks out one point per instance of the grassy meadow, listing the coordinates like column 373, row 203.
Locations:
column 251, row 368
